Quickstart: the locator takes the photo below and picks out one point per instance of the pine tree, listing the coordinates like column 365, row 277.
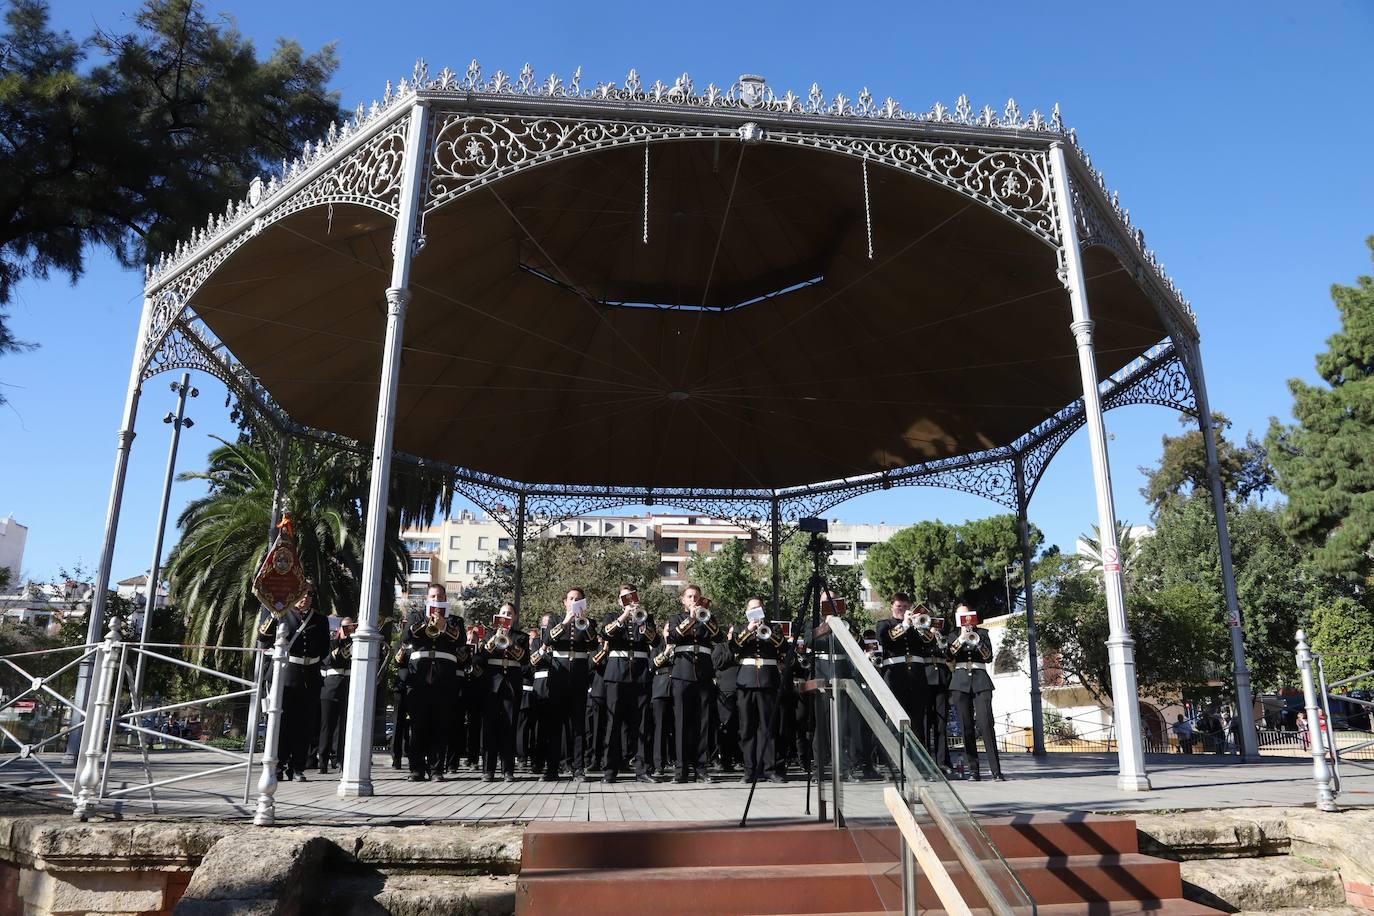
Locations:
column 1325, row 461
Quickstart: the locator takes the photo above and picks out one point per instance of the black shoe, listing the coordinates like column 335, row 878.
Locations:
column 976, row 776
column 775, row 777
column 610, row 777
column 728, row 768
column 870, row 773
column 510, row 777
column 488, row 777
column 645, row 777
column 680, row 779
column 416, row 777
column 324, row 771
column 550, row 777
column 579, row 774
column 439, row 776
column 300, row 777
column 746, row 779
column 707, row 777
column 998, row 777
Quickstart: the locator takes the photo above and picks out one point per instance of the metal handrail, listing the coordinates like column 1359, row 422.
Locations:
column 925, row 854
column 899, row 723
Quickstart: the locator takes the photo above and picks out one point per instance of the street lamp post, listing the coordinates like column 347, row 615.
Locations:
column 178, row 420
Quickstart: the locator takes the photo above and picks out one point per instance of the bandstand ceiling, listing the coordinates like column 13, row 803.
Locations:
column 752, row 341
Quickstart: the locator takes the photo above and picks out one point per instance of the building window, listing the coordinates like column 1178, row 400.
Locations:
column 503, row 544
column 419, row 566
column 455, row 567
column 455, row 542
column 668, row 545
column 484, row 543
column 422, row 546
column 477, row 567
column 690, row 547
column 669, row 571
column 716, row 546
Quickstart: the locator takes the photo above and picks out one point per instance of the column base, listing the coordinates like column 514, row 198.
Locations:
column 1133, row 783
column 355, row 788
column 1252, row 758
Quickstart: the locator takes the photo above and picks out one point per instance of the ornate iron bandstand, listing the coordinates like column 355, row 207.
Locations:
column 738, row 302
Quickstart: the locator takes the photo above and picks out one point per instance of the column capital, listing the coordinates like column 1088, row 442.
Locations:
column 1083, row 332
column 126, row 438
column 397, row 298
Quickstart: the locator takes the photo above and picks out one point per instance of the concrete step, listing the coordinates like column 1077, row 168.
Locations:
column 1266, row 883
column 1110, row 908
column 563, row 845
column 417, row 895
column 829, row 887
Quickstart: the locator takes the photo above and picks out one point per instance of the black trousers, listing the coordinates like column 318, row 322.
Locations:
column 977, row 708
column 400, row 727
column 499, row 710
column 625, row 707
column 333, row 717
column 566, row 711
column 300, row 706
column 908, row 685
column 937, row 724
column 757, row 708
column 429, row 709
column 692, row 719
column 729, row 730
column 598, row 723
column 663, row 732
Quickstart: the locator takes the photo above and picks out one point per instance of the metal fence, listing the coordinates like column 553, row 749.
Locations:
column 1330, row 748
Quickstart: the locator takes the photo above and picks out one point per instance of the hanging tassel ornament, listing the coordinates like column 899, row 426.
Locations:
column 868, row 211
column 646, row 194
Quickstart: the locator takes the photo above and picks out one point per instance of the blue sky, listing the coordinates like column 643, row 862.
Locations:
column 1238, row 134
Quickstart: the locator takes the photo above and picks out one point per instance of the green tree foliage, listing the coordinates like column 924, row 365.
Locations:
column 797, row 565
column 224, row 534
column 128, row 141
column 1127, row 545
column 729, row 577
column 1342, row 631
column 943, row 564
column 551, row 566
column 1324, row 460
column 1177, row 634
column 1182, row 469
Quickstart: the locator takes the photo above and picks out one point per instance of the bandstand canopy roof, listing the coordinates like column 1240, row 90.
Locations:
column 729, row 314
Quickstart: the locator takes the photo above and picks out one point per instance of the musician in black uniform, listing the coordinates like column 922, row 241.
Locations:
column 506, row 653
column 307, row 640
column 527, row 742
column 905, row 639
column 630, row 639
column 693, row 631
column 759, row 649
column 971, row 685
column 661, row 698
column 540, row 674
column 464, row 740
column 938, row 675
column 727, row 720
column 571, row 643
column 400, row 728
column 798, row 713
column 433, row 649
column 334, row 673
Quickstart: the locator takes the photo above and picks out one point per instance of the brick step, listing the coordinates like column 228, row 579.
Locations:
column 1177, row 907
column 647, row 844
column 828, row 887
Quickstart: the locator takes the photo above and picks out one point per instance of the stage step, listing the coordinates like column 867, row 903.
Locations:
column 1077, row 865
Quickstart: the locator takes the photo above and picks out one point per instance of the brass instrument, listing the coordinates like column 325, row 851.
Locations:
column 602, row 653
column 764, row 632
column 581, row 623
column 922, row 621
column 664, row 658
column 500, row 640
column 432, row 628
column 540, row 655
column 639, row 615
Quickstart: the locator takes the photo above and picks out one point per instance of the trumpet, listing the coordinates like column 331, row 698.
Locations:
column 664, row 658
column 580, row 623
column 540, row 655
column 639, row 615
column 701, row 614
column 601, row 653
column 922, row 621
column 432, row 627
column 764, row 632
column 500, row 640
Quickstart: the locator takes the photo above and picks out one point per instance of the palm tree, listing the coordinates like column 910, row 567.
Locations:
column 224, row 533
column 1127, row 544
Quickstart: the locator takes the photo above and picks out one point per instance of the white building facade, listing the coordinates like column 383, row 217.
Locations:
column 13, row 537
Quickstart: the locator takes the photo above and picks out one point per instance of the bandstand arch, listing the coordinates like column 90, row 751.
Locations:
column 383, row 192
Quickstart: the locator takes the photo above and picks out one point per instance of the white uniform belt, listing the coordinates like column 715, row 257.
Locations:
column 969, row 666
column 557, row 654
column 759, row 662
column 539, row 674
column 337, row 672
column 301, row 660
column 626, row 653
column 430, row 653
column 903, row 660
column 827, row 657
column 502, row 663
column 528, row 686
column 703, row 650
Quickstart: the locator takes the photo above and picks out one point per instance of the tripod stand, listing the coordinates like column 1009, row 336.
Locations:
column 816, row 586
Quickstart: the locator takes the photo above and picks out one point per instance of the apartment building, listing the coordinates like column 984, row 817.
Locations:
column 851, row 544
column 13, row 537
column 453, row 553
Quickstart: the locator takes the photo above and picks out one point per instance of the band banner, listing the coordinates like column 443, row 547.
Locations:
column 280, row 580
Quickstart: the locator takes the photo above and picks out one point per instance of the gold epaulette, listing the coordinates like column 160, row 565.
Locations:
column 557, row 630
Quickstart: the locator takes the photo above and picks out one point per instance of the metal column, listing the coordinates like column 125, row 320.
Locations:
column 1245, row 703
column 96, row 616
column 519, row 551
column 178, row 420
column 1120, row 647
column 1321, row 770
column 356, row 773
column 775, row 551
column 1032, row 645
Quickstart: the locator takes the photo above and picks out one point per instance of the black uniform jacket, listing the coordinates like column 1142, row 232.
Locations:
column 572, row 650
column 307, row 641
column 547, row 680
column 727, row 668
column 505, row 667
column 336, row 667
column 692, row 642
column 897, row 641
column 632, row 648
column 433, row 659
column 971, row 663
column 758, row 659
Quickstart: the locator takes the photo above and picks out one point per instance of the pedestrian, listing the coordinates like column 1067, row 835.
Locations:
column 1183, row 731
